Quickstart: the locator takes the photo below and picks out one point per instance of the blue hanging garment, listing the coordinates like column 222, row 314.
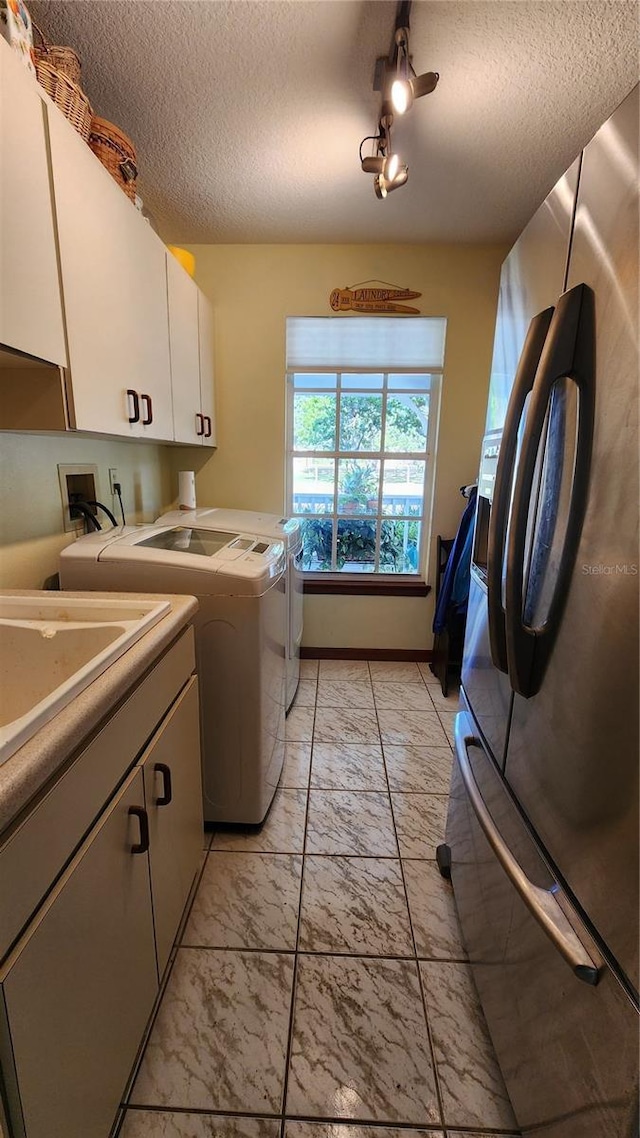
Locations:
column 454, row 591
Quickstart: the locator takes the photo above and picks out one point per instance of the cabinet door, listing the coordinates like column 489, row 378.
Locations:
column 30, row 307
column 115, row 296
column 205, row 339
column 79, row 987
column 188, row 423
column 173, row 792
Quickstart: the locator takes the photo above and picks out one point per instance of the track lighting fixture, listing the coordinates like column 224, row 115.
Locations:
column 399, row 85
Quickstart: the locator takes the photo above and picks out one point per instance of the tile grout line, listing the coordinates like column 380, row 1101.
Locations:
column 446, row 1129
column 154, row 1108
column 313, row 952
column 121, row 1114
column 434, row 1064
column 287, row 1062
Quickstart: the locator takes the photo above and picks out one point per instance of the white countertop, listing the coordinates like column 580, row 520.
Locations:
column 24, row 774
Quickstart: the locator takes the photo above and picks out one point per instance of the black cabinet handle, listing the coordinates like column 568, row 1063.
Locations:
column 141, row 814
column 165, row 771
column 199, row 423
column 135, row 418
column 149, row 419
column 207, row 433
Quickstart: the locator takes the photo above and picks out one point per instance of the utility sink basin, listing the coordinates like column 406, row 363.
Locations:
column 52, row 647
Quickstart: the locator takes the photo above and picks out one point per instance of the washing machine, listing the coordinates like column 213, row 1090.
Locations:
column 240, row 628
column 286, row 530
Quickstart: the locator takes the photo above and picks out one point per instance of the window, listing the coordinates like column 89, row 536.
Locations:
column 361, row 439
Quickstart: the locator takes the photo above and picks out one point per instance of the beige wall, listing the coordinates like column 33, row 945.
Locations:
column 31, row 521
column 253, row 290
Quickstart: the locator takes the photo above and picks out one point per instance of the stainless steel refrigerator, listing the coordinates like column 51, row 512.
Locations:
column 542, row 831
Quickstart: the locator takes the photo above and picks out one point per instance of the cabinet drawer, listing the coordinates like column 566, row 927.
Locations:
column 79, row 986
column 38, row 849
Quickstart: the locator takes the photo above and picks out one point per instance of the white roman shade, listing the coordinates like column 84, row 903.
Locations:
column 383, row 344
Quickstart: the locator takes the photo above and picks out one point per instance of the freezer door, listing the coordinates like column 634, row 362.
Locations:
column 572, row 756
column 486, row 688
column 567, row 1048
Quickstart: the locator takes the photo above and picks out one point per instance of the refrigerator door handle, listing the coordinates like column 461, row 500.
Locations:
column 543, row 904
column 522, row 385
column 569, row 352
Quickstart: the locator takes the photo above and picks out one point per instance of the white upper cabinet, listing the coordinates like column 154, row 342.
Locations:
column 86, row 285
column 115, row 297
column 185, row 362
column 30, row 306
column 205, row 341
column 191, row 341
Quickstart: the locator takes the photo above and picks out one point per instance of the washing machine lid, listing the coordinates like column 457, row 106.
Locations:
column 234, row 556
column 286, row 530
column 89, row 546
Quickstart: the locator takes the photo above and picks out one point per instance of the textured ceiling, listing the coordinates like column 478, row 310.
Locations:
column 247, row 114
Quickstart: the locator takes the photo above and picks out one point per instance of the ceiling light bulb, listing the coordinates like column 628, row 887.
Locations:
column 391, row 167
column 401, row 95
column 400, row 178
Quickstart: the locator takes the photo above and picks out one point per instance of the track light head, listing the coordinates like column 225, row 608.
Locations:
column 399, row 179
column 424, row 84
column 380, row 186
column 406, row 85
column 383, row 185
column 404, row 91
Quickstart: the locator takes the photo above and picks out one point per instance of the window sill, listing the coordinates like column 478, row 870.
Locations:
column 358, row 585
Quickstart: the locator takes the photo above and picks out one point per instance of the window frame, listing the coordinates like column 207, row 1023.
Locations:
column 428, row 456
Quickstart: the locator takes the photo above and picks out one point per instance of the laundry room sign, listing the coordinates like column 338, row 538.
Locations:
column 373, row 296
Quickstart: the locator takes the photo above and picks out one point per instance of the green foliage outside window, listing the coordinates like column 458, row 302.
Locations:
column 357, row 543
column 359, row 430
column 315, row 422
column 314, row 425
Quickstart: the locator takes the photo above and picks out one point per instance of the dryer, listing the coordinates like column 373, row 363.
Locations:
column 239, row 581
column 286, row 530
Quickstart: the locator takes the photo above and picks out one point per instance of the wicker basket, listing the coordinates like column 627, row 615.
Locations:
column 67, row 95
column 116, row 152
column 65, row 59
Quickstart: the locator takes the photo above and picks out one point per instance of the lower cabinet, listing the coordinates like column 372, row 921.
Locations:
column 173, row 797
column 79, row 985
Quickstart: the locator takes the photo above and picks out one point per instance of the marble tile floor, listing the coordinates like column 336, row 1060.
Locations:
column 321, row 988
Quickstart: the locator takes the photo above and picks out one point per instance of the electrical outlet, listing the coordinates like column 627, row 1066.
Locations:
column 113, row 478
